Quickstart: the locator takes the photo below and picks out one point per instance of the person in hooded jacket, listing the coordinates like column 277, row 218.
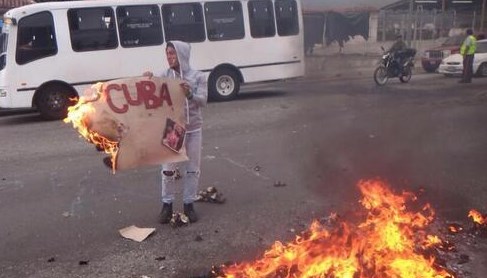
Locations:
column 194, row 84
column 398, row 52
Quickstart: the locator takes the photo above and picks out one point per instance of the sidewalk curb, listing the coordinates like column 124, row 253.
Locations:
column 344, row 66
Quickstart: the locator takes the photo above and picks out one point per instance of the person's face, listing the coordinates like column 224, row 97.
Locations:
column 172, row 58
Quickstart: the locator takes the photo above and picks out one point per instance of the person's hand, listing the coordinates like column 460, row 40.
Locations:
column 148, row 74
column 186, row 90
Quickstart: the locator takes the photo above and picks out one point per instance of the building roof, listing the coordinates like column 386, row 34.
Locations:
column 14, row 3
column 344, row 5
column 6, row 5
column 376, row 5
column 449, row 4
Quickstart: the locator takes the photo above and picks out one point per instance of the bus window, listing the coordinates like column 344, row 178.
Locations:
column 287, row 17
column 92, row 29
column 183, row 22
column 261, row 19
column 36, row 38
column 139, row 25
column 224, row 21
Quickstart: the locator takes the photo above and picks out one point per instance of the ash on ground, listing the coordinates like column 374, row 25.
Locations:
column 462, row 249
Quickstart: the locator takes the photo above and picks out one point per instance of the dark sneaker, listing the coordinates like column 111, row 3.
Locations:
column 190, row 213
column 166, row 213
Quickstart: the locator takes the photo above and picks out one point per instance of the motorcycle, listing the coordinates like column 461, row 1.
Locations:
column 392, row 65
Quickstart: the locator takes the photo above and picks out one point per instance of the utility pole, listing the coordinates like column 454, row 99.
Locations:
column 482, row 16
column 443, row 15
column 409, row 32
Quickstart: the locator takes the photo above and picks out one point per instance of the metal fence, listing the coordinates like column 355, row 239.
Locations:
column 425, row 24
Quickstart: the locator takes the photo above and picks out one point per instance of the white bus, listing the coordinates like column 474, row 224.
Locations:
column 50, row 52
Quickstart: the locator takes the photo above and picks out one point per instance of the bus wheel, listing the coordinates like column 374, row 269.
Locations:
column 223, row 85
column 53, row 101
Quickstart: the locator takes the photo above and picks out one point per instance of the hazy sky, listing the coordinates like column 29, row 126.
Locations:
column 334, row 4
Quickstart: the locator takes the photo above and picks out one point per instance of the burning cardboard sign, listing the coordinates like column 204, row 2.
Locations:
column 137, row 121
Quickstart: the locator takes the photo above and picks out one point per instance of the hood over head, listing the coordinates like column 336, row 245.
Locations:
column 183, row 51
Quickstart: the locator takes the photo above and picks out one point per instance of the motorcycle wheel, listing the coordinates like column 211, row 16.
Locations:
column 380, row 76
column 406, row 75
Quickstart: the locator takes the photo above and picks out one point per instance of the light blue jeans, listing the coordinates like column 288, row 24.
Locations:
column 187, row 172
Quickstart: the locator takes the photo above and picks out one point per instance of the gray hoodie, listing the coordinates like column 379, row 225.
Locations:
column 197, row 80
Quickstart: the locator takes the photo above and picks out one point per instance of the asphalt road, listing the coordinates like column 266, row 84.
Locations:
column 60, row 206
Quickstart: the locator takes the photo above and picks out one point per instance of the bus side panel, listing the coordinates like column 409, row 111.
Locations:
column 5, row 92
column 274, row 72
column 259, row 59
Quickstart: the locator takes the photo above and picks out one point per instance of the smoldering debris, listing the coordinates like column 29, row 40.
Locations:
column 459, row 246
column 210, row 195
column 216, row 271
column 454, row 228
column 179, row 220
column 279, row 184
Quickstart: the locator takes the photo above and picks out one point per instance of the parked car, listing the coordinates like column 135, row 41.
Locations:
column 432, row 58
column 453, row 64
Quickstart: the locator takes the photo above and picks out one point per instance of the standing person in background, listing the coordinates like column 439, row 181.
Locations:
column 194, row 84
column 468, row 48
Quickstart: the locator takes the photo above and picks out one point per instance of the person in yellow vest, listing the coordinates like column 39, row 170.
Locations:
column 468, row 48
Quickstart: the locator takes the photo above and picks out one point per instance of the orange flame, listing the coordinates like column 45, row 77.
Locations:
column 383, row 245
column 432, row 241
column 80, row 117
column 455, row 228
column 477, row 217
